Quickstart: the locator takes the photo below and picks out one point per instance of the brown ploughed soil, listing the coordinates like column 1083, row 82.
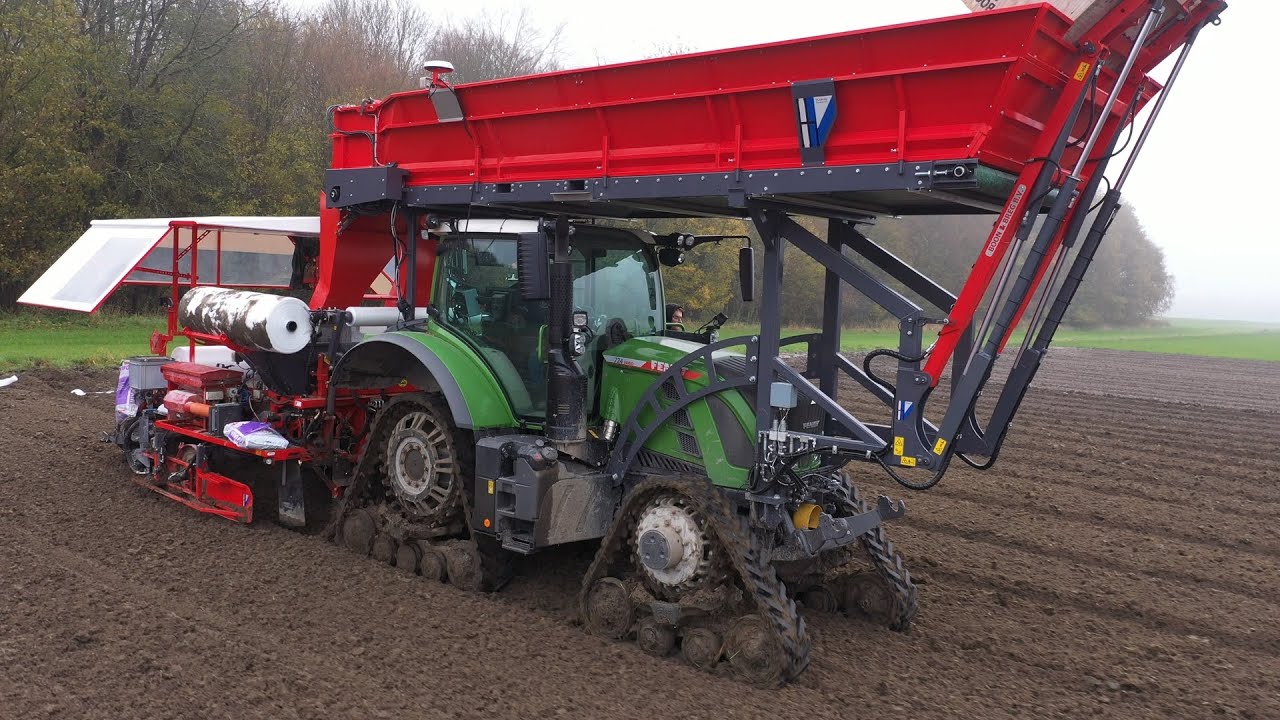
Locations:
column 1122, row 560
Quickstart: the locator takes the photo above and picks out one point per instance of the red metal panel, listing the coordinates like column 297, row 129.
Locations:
column 969, row 86
column 346, row 269
column 193, row 376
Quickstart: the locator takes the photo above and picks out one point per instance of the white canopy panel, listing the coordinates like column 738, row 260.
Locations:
column 104, row 255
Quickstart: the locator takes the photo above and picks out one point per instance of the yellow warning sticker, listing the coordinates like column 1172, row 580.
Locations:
column 1082, row 71
column 897, row 445
column 490, row 487
column 939, row 446
column 907, row 461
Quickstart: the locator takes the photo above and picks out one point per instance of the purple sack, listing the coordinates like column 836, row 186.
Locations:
column 126, row 403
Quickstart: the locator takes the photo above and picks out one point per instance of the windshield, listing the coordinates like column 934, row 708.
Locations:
column 615, row 278
column 477, row 287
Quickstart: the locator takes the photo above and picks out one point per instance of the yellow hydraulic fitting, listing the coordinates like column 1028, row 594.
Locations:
column 806, row 516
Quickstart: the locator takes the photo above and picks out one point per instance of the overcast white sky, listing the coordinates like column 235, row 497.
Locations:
column 1202, row 186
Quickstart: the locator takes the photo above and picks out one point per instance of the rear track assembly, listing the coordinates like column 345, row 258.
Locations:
column 370, row 521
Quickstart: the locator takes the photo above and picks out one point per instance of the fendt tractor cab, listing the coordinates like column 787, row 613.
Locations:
column 484, row 368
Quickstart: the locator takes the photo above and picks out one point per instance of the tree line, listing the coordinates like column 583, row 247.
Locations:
column 160, row 108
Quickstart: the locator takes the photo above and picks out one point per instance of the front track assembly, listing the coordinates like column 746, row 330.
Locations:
column 747, row 618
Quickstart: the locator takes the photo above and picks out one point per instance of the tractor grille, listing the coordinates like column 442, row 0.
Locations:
column 650, row 459
column 680, row 419
column 689, row 444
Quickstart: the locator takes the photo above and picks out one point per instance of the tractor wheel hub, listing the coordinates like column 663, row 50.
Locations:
column 420, row 466
column 672, row 550
column 661, row 548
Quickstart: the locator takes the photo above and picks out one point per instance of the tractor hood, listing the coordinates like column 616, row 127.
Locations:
column 631, row 367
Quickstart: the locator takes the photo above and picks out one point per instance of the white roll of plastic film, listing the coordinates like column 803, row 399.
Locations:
column 252, row 320
column 366, row 316
column 215, row 355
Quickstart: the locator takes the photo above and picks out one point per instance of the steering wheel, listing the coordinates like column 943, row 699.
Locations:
column 615, row 333
column 458, row 309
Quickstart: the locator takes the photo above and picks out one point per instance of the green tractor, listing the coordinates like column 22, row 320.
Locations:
column 557, row 405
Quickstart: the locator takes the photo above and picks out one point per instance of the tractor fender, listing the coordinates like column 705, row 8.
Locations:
column 430, row 363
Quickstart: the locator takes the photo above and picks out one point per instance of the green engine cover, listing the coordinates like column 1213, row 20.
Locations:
column 715, row 433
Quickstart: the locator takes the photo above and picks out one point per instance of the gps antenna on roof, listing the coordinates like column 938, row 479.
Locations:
column 438, row 69
column 441, row 92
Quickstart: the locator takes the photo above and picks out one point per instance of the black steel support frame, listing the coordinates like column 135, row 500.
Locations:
column 843, row 434
column 664, row 195
column 910, row 440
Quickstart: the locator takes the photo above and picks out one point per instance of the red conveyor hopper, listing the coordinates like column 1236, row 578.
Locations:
column 976, row 87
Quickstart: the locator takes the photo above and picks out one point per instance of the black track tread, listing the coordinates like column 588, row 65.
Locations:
column 371, row 459
column 740, row 547
column 887, row 562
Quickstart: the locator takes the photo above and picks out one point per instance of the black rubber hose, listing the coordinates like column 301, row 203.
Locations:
column 884, row 352
column 942, row 470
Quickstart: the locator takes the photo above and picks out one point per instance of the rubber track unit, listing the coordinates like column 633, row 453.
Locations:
column 495, row 565
column 758, row 577
column 370, row 459
column 888, row 562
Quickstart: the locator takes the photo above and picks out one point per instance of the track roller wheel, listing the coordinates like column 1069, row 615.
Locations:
column 358, row 532
column 701, row 648
column 819, row 599
column 407, row 558
column 609, row 610
column 753, row 653
column 433, row 564
column 655, row 638
column 384, row 549
column 463, row 567
column 867, row 595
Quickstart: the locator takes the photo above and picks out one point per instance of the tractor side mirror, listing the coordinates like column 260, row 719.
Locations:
column 533, row 267
column 747, row 273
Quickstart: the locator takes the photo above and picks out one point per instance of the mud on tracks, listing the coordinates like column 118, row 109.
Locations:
column 1120, row 561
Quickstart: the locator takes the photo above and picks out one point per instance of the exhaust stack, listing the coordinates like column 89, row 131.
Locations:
column 566, row 383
